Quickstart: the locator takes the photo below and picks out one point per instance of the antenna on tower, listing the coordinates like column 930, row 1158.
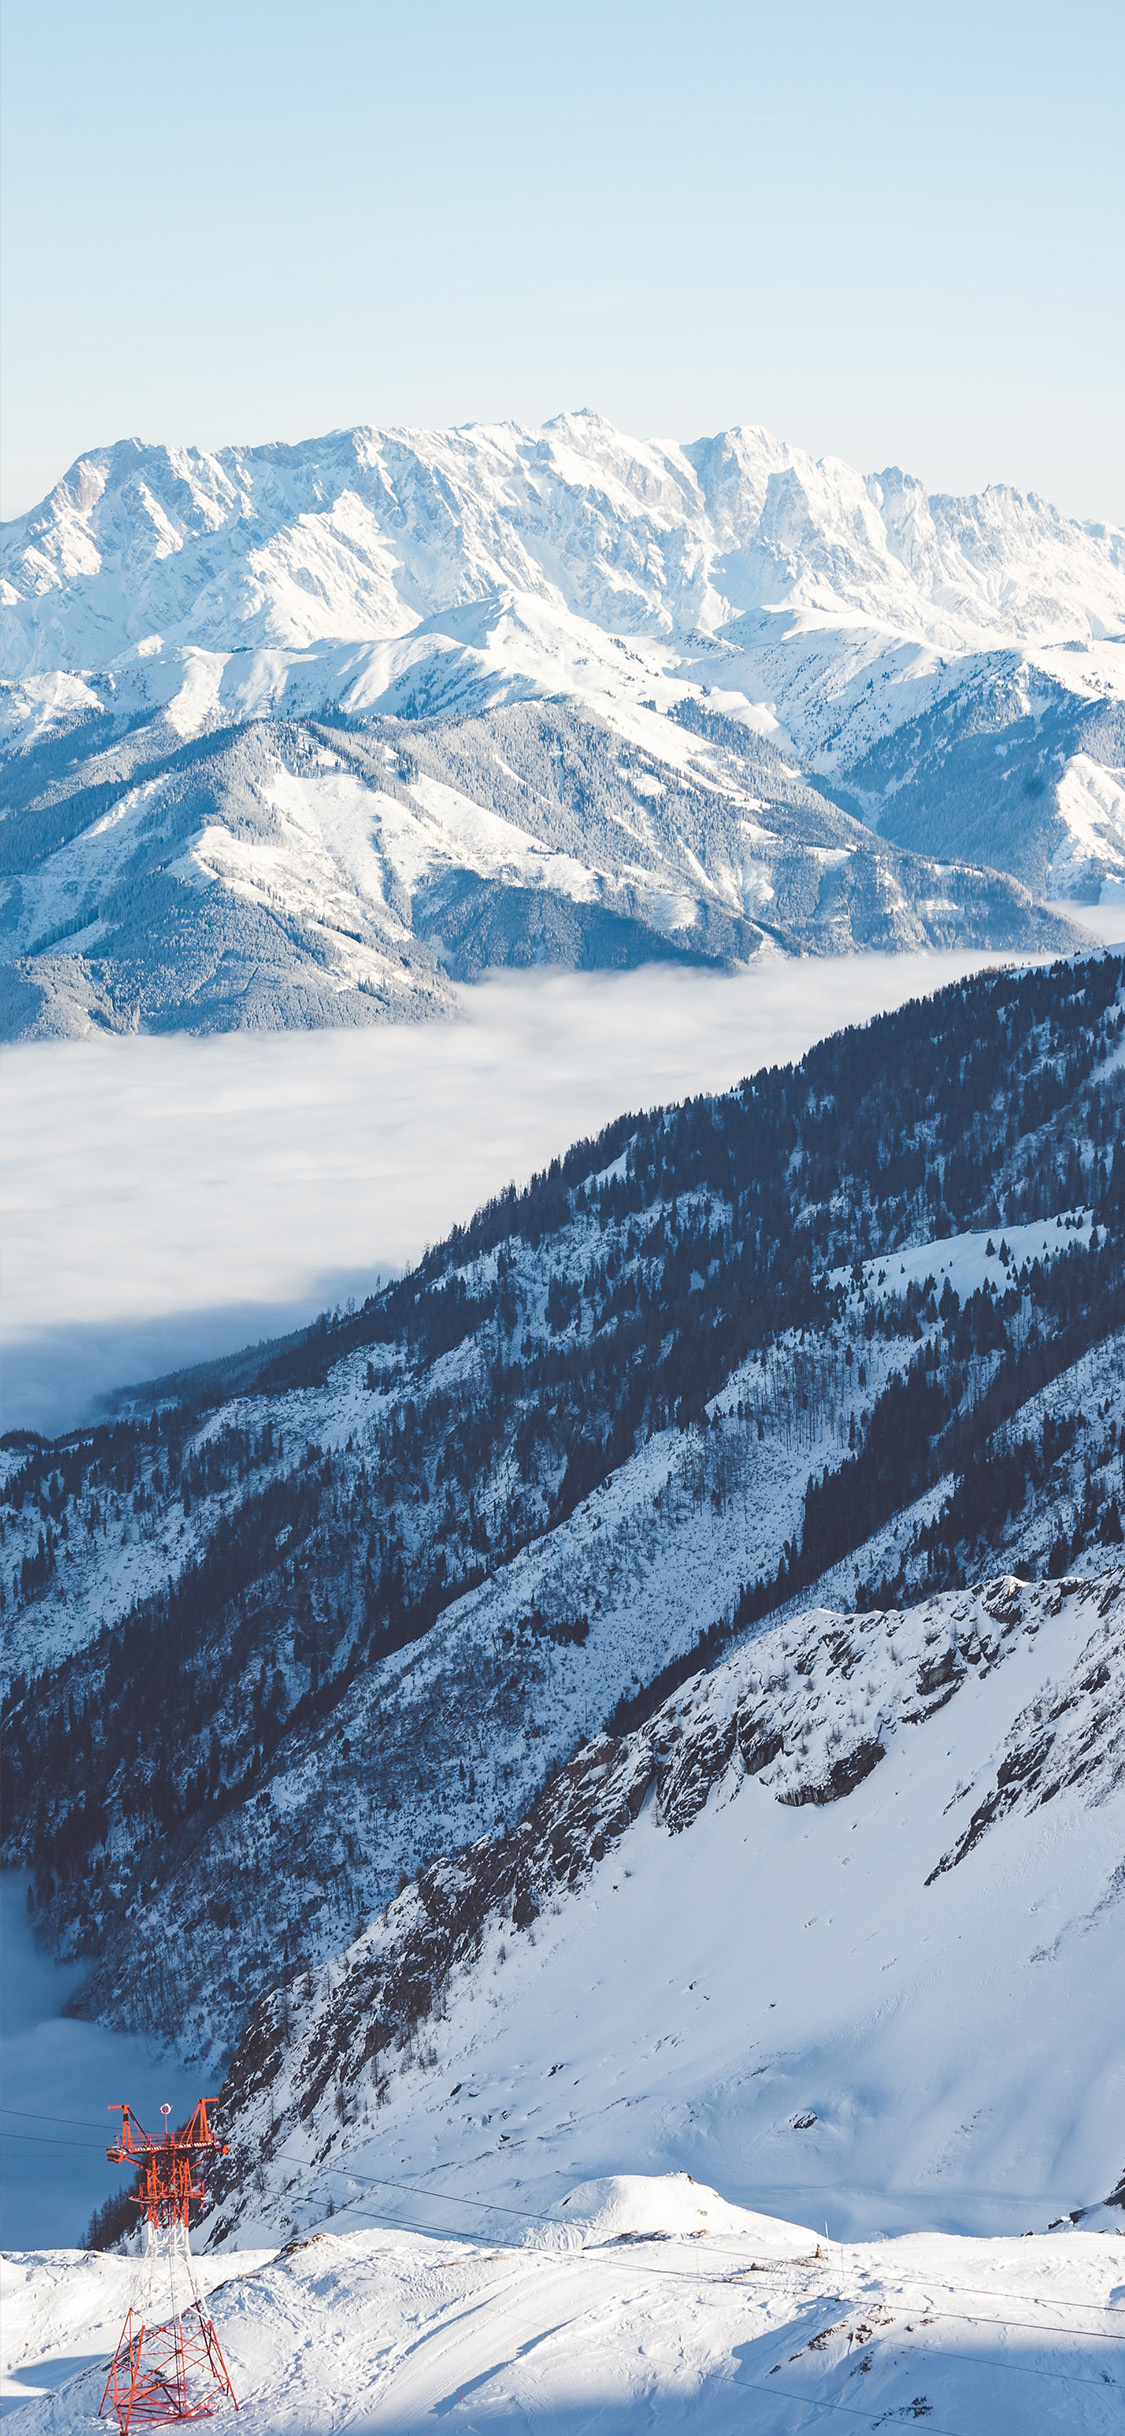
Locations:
column 168, row 2365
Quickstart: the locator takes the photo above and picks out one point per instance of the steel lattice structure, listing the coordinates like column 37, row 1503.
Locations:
column 168, row 2365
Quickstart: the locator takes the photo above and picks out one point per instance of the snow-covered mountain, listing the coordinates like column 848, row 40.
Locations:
column 848, row 1336
column 366, row 534
column 303, row 873
column 946, row 669
column 1020, row 766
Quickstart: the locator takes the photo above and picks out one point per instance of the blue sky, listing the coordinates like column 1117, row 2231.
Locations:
column 892, row 232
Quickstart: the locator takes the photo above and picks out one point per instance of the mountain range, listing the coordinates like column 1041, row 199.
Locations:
column 307, row 734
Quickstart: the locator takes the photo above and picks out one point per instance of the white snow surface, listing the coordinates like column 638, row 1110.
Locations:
column 666, row 2307
column 365, row 534
column 1091, row 800
column 992, row 1257
column 899, row 2007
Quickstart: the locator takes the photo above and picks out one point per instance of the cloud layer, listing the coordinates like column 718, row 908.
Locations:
column 168, row 1199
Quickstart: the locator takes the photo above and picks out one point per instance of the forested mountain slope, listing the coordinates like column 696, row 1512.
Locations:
column 334, row 871
column 190, row 639
column 851, row 1331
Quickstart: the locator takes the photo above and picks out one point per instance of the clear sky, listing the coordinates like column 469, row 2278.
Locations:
column 889, row 229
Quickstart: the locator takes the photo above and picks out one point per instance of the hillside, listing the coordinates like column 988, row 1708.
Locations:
column 617, row 1749
column 849, row 1335
column 295, row 733
column 806, row 1933
column 319, row 873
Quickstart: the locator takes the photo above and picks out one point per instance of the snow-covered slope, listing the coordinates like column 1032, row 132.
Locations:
column 811, row 1932
column 641, row 1589
column 658, row 2304
column 161, row 598
column 1022, row 764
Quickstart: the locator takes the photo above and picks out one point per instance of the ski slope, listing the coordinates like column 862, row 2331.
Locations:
column 656, row 2305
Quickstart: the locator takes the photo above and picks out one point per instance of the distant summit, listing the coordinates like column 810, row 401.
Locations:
column 215, row 662
column 363, row 535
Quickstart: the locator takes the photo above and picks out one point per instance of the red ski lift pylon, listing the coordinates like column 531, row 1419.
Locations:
column 168, row 2365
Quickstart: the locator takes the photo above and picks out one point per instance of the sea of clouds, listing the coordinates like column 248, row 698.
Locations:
column 169, row 1199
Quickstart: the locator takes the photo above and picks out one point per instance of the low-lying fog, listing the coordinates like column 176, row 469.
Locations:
column 167, row 1199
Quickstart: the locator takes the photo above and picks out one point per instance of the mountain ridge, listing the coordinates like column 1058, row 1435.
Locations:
column 700, row 507
column 948, row 672
column 337, row 871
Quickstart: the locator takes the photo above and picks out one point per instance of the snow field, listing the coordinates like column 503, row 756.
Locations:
column 454, row 577
column 715, row 2324
column 967, row 1261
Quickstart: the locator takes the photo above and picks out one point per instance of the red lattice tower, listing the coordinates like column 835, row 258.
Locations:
column 168, row 2364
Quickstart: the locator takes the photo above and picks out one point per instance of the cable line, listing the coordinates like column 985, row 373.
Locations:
column 44, row 2140
column 26, row 2115
column 810, row 2401
column 418, row 2191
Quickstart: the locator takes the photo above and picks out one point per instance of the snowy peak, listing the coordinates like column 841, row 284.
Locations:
column 160, row 595
column 362, row 533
